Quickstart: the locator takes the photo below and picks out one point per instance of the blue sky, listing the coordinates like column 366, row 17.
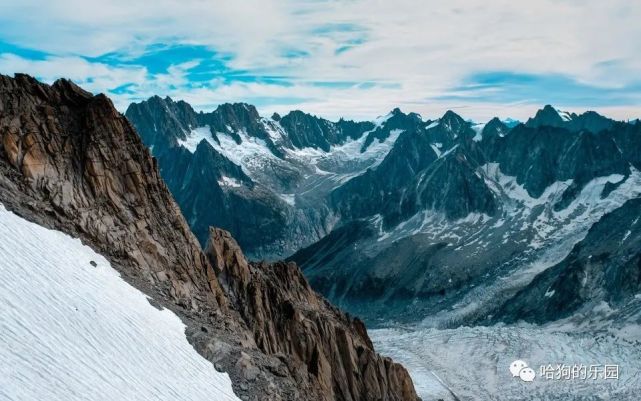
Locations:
column 351, row 58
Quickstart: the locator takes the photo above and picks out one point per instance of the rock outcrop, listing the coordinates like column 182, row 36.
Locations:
column 70, row 161
column 288, row 318
column 74, row 152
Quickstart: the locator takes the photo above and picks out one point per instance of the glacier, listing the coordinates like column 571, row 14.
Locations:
column 73, row 329
column 472, row 363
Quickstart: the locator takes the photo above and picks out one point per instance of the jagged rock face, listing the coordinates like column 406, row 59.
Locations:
column 70, row 161
column 77, row 154
column 397, row 120
column 155, row 117
column 288, row 317
column 415, row 175
column 307, row 131
column 589, row 121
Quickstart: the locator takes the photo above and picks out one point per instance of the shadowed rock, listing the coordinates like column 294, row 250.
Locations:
column 287, row 317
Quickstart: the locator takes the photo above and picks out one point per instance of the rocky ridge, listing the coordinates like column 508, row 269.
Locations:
column 69, row 161
column 278, row 305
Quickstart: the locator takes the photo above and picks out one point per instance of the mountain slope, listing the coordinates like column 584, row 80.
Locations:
column 64, row 304
column 603, row 269
column 70, row 161
column 446, row 215
column 292, row 162
column 278, row 304
column 448, row 235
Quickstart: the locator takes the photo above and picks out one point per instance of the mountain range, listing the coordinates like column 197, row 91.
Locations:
column 405, row 218
column 441, row 234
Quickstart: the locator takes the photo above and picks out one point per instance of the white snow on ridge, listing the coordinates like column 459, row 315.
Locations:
column 351, row 150
column 196, row 136
column 229, row 182
column 255, row 157
column 72, row 331
column 380, row 120
column 478, row 128
column 434, row 124
column 565, row 116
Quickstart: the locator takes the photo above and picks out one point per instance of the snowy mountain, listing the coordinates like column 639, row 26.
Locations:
column 453, row 229
column 285, row 166
column 401, row 216
column 421, row 228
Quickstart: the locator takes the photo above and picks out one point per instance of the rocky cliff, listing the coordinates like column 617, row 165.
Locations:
column 70, row 161
column 331, row 349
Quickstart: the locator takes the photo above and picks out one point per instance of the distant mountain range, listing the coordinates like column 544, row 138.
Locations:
column 407, row 218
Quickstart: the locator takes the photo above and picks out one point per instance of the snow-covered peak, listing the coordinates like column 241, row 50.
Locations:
column 380, row 120
column 565, row 116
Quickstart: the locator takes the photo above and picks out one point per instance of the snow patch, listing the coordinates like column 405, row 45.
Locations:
column 74, row 331
column 565, row 116
column 381, row 120
column 196, row 136
column 290, row 199
column 225, row 181
column 478, row 128
column 434, row 124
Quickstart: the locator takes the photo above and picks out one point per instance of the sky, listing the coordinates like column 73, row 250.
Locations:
column 349, row 58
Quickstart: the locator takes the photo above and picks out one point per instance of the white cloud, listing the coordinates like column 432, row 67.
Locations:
column 423, row 47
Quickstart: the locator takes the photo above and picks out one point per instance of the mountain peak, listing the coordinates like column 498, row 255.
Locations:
column 495, row 127
column 552, row 117
column 238, row 108
column 547, row 116
column 450, row 115
column 69, row 87
column 453, row 121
